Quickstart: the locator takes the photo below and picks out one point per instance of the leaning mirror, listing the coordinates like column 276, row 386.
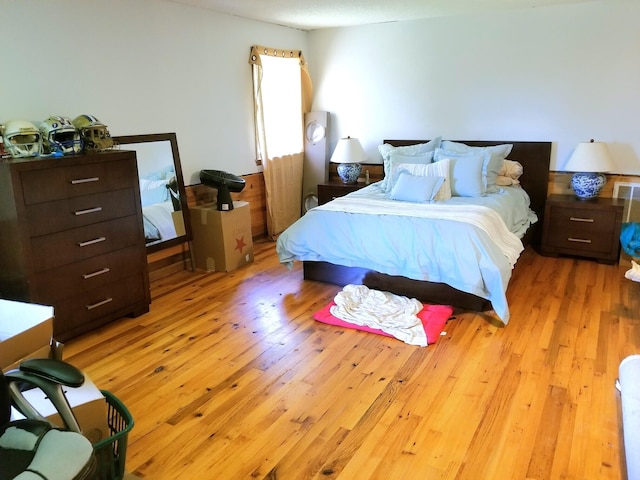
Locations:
column 162, row 192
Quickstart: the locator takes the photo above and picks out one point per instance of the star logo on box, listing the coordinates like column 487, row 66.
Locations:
column 240, row 244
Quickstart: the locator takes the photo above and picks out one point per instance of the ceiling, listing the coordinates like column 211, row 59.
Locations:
column 317, row 14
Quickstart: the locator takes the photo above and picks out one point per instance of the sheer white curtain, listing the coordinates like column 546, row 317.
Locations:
column 282, row 94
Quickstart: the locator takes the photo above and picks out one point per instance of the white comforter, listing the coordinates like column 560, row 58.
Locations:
column 393, row 314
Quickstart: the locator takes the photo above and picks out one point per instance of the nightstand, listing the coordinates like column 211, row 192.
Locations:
column 585, row 228
column 330, row 190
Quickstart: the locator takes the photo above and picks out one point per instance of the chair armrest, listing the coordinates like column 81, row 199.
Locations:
column 54, row 370
column 48, row 375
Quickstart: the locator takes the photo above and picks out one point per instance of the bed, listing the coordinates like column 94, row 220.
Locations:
column 462, row 269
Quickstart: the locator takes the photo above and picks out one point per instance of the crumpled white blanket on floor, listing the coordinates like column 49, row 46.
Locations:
column 634, row 272
column 393, row 314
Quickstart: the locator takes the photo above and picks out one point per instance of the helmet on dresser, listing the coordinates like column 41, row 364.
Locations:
column 59, row 135
column 21, row 138
column 95, row 135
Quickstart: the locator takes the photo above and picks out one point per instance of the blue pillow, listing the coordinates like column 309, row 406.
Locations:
column 497, row 154
column 468, row 172
column 414, row 188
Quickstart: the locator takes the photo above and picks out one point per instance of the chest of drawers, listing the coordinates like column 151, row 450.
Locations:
column 71, row 236
column 586, row 228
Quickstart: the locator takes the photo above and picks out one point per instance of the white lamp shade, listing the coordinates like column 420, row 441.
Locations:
column 348, row 150
column 590, row 157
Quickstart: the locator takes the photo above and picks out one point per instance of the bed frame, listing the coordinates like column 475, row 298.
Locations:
column 534, row 157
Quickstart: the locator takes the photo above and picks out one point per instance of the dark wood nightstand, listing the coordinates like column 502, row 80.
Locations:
column 585, row 228
column 330, row 190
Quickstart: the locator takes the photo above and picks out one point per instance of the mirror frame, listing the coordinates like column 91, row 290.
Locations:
column 122, row 142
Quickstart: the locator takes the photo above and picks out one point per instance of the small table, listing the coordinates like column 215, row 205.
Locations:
column 585, row 228
column 330, row 190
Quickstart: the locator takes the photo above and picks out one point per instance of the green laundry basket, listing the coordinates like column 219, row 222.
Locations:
column 111, row 452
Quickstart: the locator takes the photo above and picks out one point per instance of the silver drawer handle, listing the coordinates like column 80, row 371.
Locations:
column 578, row 219
column 95, row 274
column 88, row 210
column 91, row 242
column 85, row 180
column 579, row 240
column 99, row 304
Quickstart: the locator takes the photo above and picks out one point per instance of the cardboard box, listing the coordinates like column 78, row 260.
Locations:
column 25, row 328
column 221, row 239
column 44, row 352
column 88, row 405
column 178, row 223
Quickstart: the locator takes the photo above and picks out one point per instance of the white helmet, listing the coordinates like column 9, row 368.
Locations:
column 60, row 136
column 21, row 138
column 95, row 135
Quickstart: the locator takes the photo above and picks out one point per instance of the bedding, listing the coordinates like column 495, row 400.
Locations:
column 158, row 221
column 436, row 260
column 157, row 205
column 468, row 243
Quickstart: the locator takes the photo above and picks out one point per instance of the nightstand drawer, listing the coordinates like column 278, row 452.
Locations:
column 585, row 228
column 580, row 229
column 330, row 191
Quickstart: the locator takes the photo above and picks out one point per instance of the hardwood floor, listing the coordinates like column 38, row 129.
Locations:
column 229, row 377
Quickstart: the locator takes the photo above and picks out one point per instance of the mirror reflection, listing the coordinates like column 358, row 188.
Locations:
column 162, row 192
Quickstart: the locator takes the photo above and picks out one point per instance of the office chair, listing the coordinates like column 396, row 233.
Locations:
column 33, row 449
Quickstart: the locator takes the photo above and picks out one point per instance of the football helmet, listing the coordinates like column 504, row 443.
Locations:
column 95, row 135
column 21, row 138
column 60, row 136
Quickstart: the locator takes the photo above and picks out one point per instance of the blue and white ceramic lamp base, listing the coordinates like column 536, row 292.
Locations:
column 587, row 185
column 349, row 172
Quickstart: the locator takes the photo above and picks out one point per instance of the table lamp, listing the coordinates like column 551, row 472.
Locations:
column 589, row 160
column 348, row 155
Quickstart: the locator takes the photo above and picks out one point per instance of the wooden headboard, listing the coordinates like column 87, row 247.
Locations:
column 535, row 158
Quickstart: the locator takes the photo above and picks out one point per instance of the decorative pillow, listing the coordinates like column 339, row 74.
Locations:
column 466, row 172
column 512, row 169
column 417, row 150
column 504, row 181
column 497, row 155
column 414, row 188
column 153, row 191
column 422, row 159
column 436, row 169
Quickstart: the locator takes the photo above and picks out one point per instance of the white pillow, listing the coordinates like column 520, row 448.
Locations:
column 417, row 150
column 422, row 159
column 436, row 169
column 414, row 188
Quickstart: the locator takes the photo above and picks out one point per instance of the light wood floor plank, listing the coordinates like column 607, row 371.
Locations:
column 229, row 377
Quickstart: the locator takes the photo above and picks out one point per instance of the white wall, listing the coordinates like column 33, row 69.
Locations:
column 563, row 74
column 140, row 66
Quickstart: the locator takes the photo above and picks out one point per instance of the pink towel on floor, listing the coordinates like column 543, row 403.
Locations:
column 433, row 317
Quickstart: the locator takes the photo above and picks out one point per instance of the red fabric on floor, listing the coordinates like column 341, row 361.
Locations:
column 433, row 317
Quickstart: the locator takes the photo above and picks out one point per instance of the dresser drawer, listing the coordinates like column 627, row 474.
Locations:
column 73, row 181
column 50, row 251
column 581, row 229
column 78, row 312
column 69, row 280
column 74, row 212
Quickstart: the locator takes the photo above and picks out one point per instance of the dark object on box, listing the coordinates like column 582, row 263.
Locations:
column 225, row 183
column 111, row 452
